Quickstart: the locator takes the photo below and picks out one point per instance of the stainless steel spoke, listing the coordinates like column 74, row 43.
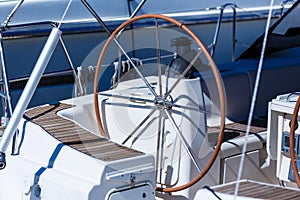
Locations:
column 130, row 98
column 184, row 73
column 159, row 149
column 167, row 76
column 185, row 143
column 194, row 109
column 139, row 126
column 136, row 68
column 158, row 58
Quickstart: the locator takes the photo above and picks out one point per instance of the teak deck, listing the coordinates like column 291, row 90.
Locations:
column 76, row 137
column 260, row 191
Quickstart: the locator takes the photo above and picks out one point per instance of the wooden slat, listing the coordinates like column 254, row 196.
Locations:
column 260, row 190
column 76, row 137
column 238, row 129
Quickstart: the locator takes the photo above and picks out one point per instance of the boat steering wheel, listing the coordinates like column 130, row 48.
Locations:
column 163, row 98
column 292, row 140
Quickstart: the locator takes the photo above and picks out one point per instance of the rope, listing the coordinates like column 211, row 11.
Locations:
column 257, row 80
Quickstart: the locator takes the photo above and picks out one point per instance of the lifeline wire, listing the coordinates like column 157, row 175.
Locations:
column 253, row 99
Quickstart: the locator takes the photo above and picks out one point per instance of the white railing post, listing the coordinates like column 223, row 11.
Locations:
column 28, row 92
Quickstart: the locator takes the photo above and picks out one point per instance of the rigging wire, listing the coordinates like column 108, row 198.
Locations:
column 257, row 80
column 64, row 14
column 12, row 13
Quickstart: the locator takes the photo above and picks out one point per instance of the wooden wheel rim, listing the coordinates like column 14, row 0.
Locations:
column 216, row 76
column 292, row 140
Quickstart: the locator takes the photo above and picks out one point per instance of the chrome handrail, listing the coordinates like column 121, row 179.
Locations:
column 214, row 43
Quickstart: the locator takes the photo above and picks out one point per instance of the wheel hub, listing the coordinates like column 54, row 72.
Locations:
column 164, row 103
